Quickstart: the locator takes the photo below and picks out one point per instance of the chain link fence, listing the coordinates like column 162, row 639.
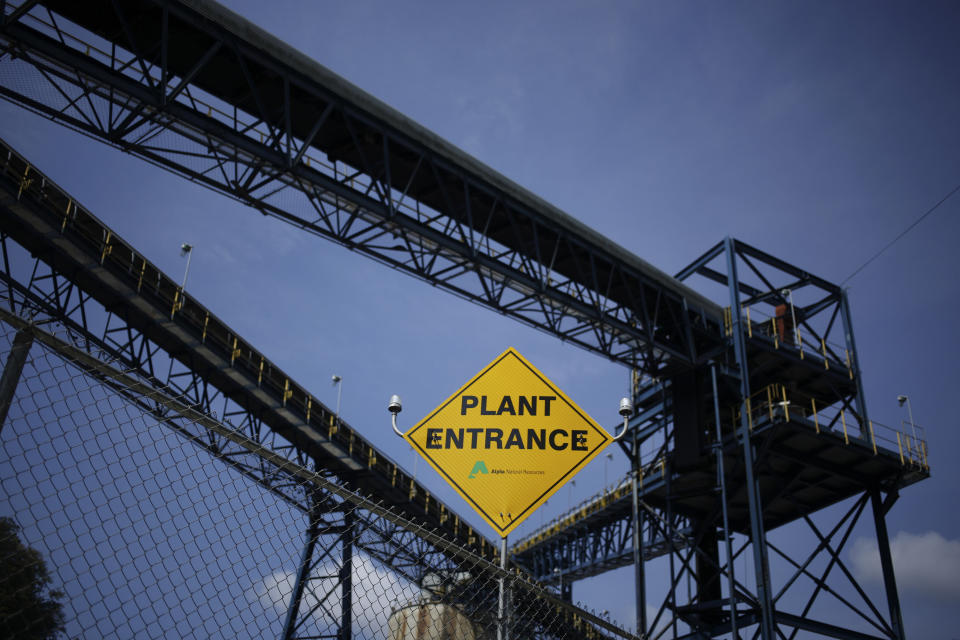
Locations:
column 123, row 515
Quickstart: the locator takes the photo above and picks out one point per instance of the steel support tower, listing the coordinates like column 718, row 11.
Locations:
column 768, row 435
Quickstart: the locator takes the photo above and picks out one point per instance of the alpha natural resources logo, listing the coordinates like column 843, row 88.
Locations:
column 480, row 468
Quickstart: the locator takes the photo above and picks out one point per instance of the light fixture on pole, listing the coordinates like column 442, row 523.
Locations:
column 186, row 250
column 338, row 381
column 913, row 427
column 395, row 407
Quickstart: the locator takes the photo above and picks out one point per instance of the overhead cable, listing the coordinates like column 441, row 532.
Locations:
column 902, row 233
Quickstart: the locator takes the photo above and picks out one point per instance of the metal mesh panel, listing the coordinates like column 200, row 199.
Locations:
column 147, row 532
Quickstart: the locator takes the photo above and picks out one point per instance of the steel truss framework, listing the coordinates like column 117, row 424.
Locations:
column 603, row 538
column 820, row 328
column 742, row 613
column 249, row 118
column 395, row 547
column 86, row 276
column 174, row 84
column 31, row 288
column 763, row 463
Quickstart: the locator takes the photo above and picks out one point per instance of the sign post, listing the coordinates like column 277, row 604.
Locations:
column 506, row 441
column 502, row 627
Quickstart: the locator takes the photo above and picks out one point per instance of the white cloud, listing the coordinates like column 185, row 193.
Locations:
column 376, row 592
column 926, row 563
column 274, row 590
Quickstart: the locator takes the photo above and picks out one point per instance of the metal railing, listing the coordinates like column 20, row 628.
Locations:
column 768, row 405
column 653, row 467
column 763, row 326
column 776, row 403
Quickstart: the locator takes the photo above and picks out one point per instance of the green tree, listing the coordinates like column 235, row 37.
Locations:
column 29, row 609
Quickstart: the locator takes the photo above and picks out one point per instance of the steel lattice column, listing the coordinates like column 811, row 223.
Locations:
column 330, row 527
column 757, row 535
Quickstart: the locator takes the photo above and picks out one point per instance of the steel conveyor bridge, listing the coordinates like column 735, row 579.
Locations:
column 194, row 88
column 116, row 303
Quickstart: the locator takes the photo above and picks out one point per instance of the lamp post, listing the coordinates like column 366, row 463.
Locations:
column 913, row 427
column 178, row 296
column 337, row 380
column 186, row 250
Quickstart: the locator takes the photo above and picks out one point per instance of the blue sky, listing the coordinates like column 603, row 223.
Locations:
column 816, row 132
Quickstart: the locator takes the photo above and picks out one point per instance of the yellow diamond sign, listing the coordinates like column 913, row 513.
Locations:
column 507, row 440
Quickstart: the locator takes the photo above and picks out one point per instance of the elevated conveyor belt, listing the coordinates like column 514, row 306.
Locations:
column 198, row 90
column 41, row 217
column 592, row 538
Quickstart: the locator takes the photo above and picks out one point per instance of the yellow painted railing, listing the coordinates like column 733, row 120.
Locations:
column 774, row 403
column 762, row 325
column 656, row 467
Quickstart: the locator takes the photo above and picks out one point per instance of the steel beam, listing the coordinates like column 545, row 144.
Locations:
column 757, row 534
column 639, row 579
column 886, row 564
column 855, row 364
column 822, row 628
column 346, row 576
column 331, row 527
column 724, row 501
column 12, row 369
column 303, row 571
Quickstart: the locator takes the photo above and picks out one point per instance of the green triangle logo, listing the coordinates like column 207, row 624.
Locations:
column 478, row 467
